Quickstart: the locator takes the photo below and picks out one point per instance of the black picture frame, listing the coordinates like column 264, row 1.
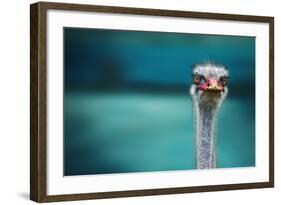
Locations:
column 38, row 100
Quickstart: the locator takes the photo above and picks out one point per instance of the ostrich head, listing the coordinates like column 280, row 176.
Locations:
column 208, row 90
column 209, row 86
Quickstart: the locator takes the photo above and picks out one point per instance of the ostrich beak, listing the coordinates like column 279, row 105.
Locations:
column 211, row 85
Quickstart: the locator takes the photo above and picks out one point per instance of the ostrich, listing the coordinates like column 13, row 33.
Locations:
column 208, row 91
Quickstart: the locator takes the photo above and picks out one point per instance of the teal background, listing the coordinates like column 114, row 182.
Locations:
column 127, row 106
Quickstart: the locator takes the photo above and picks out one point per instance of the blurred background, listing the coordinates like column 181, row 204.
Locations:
column 127, row 106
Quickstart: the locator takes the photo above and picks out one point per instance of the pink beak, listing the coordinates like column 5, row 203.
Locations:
column 212, row 85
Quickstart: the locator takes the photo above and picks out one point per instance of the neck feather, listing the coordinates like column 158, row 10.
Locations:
column 205, row 139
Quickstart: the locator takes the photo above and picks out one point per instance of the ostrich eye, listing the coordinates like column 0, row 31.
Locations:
column 198, row 79
column 223, row 81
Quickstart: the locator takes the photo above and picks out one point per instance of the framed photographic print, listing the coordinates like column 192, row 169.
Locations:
column 134, row 102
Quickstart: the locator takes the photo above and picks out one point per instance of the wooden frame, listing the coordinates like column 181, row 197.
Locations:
column 38, row 97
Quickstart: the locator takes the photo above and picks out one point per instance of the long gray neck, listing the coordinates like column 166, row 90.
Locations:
column 205, row 139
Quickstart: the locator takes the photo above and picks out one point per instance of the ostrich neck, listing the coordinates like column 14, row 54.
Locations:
column 206, row 156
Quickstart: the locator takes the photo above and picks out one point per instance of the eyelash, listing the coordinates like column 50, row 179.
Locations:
column 197, row 79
